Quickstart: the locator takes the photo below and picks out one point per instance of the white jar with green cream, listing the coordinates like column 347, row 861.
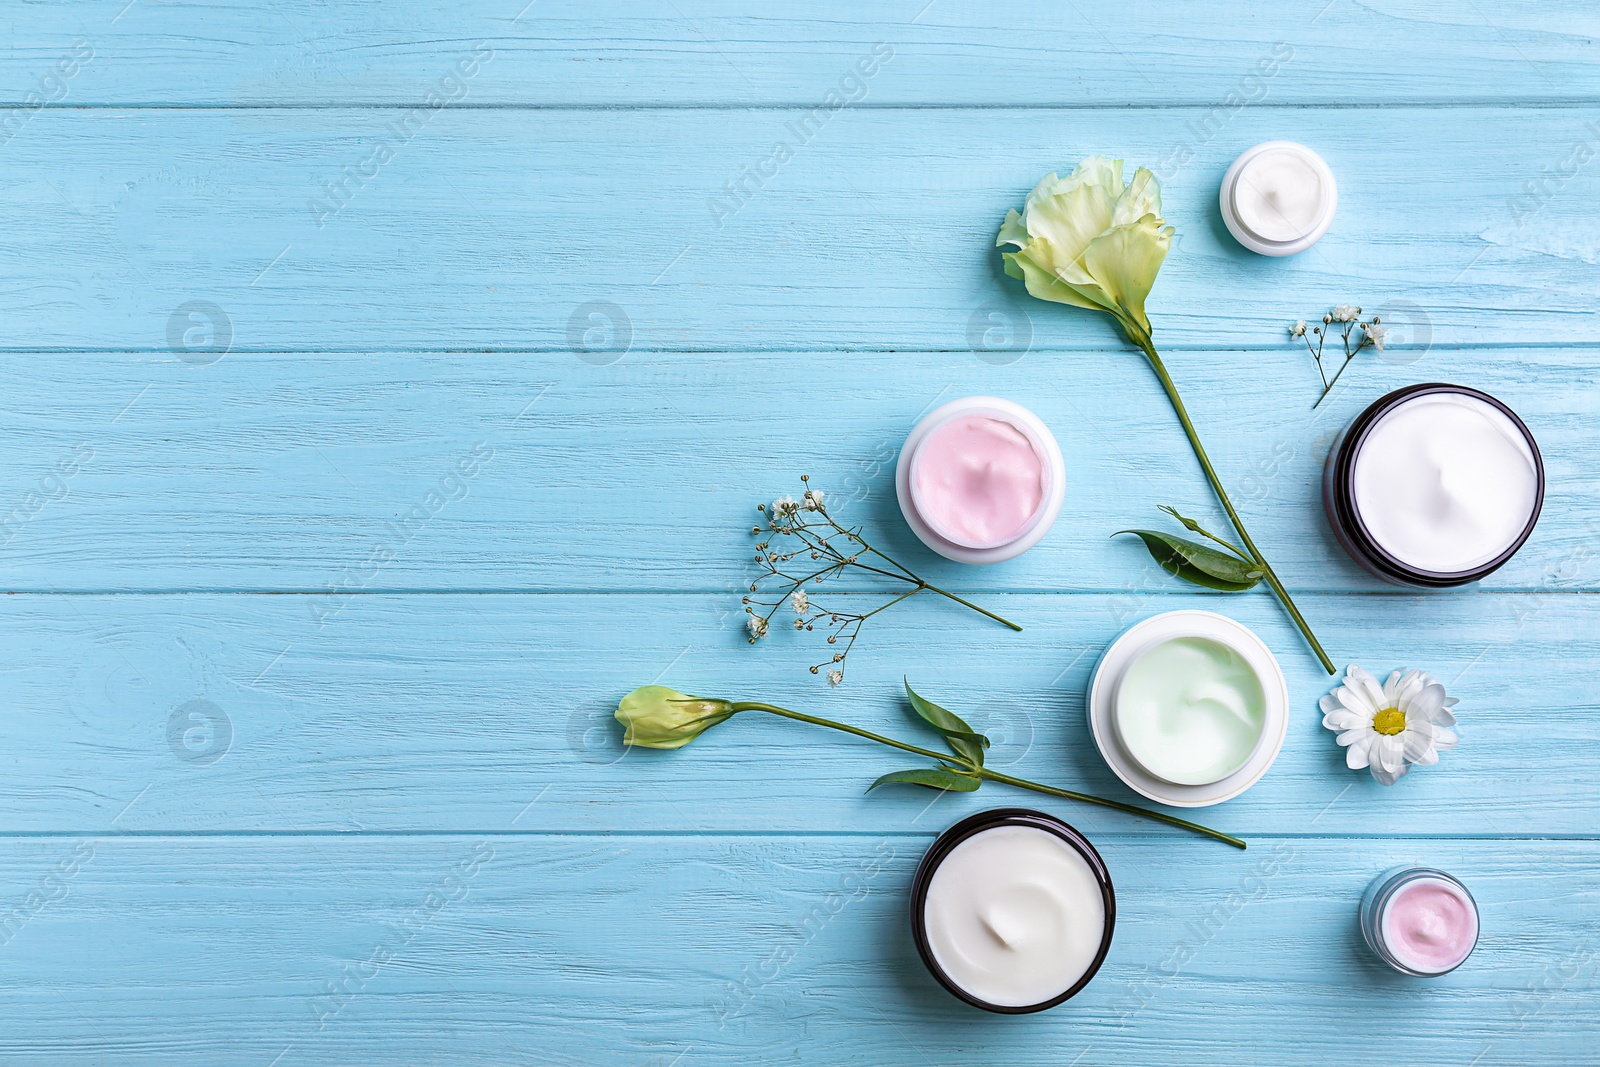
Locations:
column 1189, row 708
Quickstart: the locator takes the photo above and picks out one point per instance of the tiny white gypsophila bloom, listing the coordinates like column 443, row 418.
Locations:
column 1389, row 727
column 1298, row 329
column 1376, row 333
column 757, row 626
column 799, row 602
column 784, row 505
column 1345, row 313
column 835, row 677
column 813, row 500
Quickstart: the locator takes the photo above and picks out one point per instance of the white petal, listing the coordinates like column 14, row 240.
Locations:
column 1389, row 777
column 1357, row 701
column 1441, row 717
column 1357, row 678
column 1329, row 702
column 1412, row 684
column 1426, row 703
column 1344, row 719
column 1355, row 673
column 1388, row 752
column 1419, row 748
column 1359, row 754
column 1391, row 689
column 1443, row 738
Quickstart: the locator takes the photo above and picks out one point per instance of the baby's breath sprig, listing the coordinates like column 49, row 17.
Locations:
column 804, row 531
column 1372, row 333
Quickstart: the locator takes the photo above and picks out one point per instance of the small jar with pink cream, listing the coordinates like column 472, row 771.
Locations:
column 980, row 480
column 1420, row 921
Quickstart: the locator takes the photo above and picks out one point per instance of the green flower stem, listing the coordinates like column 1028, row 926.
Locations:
column 1141, row 337
column 983, row 772
column 967, row 603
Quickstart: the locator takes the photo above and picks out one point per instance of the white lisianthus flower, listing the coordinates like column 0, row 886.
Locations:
column 1091, row 241
column 800, row 602
column 1345, row 313
column 1389, row 727
column 1376, row 333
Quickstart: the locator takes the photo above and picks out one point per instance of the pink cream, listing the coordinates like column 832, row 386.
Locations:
column 1430, row 926
column 978, row 481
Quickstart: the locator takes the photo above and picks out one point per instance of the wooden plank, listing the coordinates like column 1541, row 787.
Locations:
column 528, row 229
column 721, row 950
column 287, row 472
column 560, row 52
column 456, row 713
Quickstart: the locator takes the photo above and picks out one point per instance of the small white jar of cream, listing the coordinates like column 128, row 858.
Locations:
column 1278, row 198
column 980, row 480
column 1434, row 486
column 1420, row 921
column 1189, row 708
column 1012, row 910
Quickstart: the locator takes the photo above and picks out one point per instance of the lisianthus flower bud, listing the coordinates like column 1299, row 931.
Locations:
column 657, row 717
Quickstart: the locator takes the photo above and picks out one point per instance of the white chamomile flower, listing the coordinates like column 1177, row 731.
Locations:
column 835, row 677
column 1298, row 329
column 1345, row 313
column 799, row 602
column 1376, row 333
column 1389, row 727
column 756, row 625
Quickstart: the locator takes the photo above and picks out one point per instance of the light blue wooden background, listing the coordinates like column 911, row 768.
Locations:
column 411, row 835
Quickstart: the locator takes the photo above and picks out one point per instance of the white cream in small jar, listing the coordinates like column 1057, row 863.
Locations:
column 1435, row 485
column 1013, row 910
column 1278, row 198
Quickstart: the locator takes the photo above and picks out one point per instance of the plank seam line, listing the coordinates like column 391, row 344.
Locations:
column 166, row 355
column 1171, row 591
column 1419, row 104
column 1119, row 835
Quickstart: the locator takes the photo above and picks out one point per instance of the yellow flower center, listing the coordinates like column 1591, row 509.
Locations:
column 1389, row 721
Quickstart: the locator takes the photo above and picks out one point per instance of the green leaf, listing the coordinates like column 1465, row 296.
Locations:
column 1198, row 564
column 963, row 740
column 933, row 778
